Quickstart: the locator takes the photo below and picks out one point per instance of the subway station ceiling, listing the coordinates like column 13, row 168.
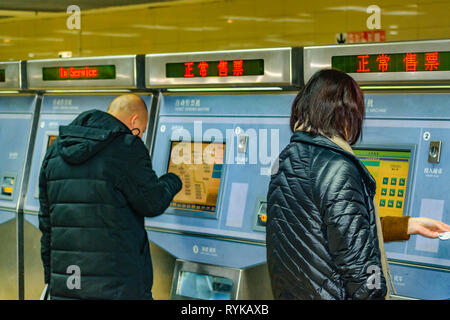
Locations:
column 61, row 5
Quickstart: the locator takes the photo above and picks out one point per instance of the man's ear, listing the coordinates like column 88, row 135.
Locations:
column 133, row 120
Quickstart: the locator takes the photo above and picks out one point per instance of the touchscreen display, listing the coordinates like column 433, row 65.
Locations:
column 390, row 171
column 199, row 166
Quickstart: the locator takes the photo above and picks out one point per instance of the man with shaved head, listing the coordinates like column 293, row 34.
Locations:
column 131, row 110
column 96, row 186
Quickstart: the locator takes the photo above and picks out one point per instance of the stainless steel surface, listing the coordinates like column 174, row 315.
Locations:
column 153, row 122
column 256, row 284
column 34, row 269
column 21, row 203
column 278, row 67
column 230, row 273
column 125, row 73
column 249, row 284
column 319, row 57
column 8, row 258
column 12, row 76
column 163, row 264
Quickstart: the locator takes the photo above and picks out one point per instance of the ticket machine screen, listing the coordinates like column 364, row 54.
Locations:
column 199, row 166
column 390, row 169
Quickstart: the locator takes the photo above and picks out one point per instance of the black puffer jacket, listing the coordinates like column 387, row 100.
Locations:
column 96, row 186
column 321, row 229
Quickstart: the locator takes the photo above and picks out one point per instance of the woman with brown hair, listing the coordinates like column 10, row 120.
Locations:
column 324, row 235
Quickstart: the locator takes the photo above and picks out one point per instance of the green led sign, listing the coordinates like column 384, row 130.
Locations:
column 2, row 75
column 101, row 72
column 396, row 62
column 222, row 68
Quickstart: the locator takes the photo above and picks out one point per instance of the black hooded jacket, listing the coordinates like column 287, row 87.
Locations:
column 321, row 230
column 96, row 185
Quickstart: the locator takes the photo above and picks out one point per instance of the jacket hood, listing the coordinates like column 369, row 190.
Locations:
column 87, row 135
column 324, row 142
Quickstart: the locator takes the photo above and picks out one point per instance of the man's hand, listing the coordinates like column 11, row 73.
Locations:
column 426, row 227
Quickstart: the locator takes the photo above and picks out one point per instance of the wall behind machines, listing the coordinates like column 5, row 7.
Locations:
column 197, row 25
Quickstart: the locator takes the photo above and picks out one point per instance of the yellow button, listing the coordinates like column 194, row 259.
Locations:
column 263, row 217
column 7, row 190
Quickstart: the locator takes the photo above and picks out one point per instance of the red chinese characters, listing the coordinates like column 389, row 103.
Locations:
column 188, row 69
column 238, row 68
column 223, row 68
column 410, row 62
column 431, row 61
column 383, row 62
column 362, row 63
column 203, row 68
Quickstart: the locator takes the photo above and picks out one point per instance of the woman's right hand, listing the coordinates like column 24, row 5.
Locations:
column 426, row 227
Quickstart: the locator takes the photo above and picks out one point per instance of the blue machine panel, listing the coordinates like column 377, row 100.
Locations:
column 420, row 283
column 245, row 174
column 16, row 114
column 417, row 119
column 58, row 110
column 5, row 216
column 393, row 121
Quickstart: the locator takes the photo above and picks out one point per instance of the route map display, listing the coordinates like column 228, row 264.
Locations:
column 199, row 166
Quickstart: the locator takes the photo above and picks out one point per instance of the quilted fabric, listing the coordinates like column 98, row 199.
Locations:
column 321, row 231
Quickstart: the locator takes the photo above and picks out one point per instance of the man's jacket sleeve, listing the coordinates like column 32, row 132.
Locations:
column 147, row 194
column 352, row 245
column 44, row 222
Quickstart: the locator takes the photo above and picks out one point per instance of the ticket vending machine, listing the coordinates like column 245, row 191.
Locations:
column 70, row 86
column 222, row 116
column 405, row 145
column 17, row 112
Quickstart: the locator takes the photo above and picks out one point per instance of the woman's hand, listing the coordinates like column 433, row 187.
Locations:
column 427, row 227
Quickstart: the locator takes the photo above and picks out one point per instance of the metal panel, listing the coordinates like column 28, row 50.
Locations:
column 16, row 114
column 204, row 270
column 12, row 75
column 278, row 68
column 319, row 57
column 59, row 110
column 264, row 119
column 126, row 73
